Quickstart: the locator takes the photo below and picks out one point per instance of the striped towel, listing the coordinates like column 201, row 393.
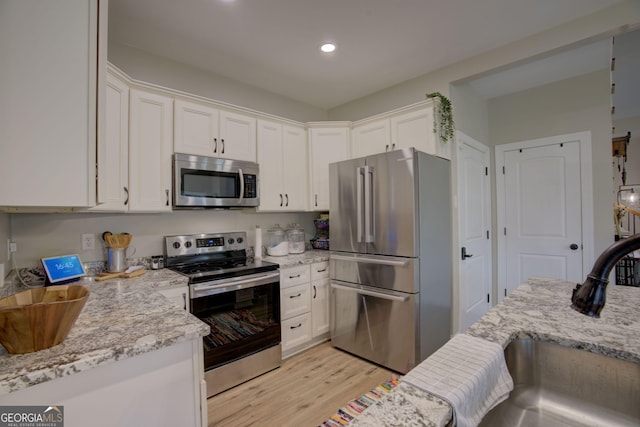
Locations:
column 468, row 372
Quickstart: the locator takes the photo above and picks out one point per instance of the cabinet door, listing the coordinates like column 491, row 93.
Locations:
column 327, row 145
column 320, row 307
column 196, row 128
column 113, row 149
column 48, row 102
column 237, row 136
column 370, row 138
column 271, row 167
column 414, row 129
column 150, row 148
column 295, row 168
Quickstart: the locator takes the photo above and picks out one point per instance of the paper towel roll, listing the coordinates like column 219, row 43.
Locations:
column 257, row 250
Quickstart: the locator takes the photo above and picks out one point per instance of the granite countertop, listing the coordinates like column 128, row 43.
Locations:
column 539, row 309
column 121, row 319
column 307, row 257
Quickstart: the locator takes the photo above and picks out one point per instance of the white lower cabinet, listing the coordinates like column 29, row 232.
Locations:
column 320, row 299
column 304, row 306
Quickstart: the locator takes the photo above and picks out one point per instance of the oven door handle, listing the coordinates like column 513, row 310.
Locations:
column 230, row 285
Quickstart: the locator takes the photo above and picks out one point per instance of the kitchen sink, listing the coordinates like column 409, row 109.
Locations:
column 556, row 385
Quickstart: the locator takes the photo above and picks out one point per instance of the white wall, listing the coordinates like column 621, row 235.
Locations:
column 5, row 233
column 41, row 235
column 141, row 65
column 573, row 105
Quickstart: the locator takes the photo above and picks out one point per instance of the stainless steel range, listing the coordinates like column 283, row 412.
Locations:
column 238, row 297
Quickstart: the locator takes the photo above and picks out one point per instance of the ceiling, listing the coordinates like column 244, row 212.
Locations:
column 274, row 44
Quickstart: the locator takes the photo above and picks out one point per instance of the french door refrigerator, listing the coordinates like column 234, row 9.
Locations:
column 390, row 258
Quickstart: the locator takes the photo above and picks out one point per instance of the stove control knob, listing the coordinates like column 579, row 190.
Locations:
column 176, row 245
column 230, row 241
column 239, row 240
column 187, row 244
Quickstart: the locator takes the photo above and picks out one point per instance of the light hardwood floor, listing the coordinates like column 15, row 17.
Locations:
column 307, row 389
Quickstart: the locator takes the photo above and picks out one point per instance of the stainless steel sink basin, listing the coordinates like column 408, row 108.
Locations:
column 562, row 386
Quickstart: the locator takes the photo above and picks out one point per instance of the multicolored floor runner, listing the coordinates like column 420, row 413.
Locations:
column 354, row 408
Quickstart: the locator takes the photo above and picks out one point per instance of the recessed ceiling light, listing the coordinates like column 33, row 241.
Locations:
column 328, row 47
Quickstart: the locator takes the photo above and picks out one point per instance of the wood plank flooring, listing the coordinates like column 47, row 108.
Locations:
column 307, row 389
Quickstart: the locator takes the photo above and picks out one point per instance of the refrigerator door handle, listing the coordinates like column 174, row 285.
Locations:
column 368, row 205
column 359, row 201
column 375, row 294
column 391, row 263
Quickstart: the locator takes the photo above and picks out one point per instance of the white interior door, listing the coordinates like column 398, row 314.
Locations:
column 543, row 212
column 474, row 211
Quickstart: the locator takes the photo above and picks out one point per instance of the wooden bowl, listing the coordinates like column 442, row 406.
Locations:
column 39, row 318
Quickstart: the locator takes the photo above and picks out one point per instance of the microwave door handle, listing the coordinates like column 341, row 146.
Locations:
column 241, row 186
column 359, row 201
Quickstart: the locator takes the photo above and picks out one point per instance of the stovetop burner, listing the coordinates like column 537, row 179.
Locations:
column 207, row 257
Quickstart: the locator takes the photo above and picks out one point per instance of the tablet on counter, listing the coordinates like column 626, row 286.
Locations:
column 63, row 269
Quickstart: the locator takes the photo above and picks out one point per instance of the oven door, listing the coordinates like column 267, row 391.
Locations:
column 211, row 182
column 243, row 313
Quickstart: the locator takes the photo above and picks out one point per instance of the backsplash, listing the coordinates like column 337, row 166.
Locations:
column 43, row 235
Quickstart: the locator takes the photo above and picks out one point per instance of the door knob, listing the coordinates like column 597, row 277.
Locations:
column 465, row 254
column 574, row 246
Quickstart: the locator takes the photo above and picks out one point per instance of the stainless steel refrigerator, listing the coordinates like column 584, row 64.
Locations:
column 390, row 257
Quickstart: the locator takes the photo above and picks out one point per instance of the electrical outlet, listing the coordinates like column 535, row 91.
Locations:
column 88, row 242
column 11, row 246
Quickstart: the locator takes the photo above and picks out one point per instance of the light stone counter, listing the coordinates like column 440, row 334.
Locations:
column 539, row 309
column 121, row 319
column 307, row 257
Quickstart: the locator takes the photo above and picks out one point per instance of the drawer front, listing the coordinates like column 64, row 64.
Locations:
column 319, row 270
column 296, row 331
column 295, row 300
column 294, row 276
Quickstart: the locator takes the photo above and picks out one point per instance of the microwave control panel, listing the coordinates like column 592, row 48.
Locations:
column 250, row 187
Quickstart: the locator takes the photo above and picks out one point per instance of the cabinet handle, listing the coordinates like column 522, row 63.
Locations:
column 294, row 277
column 184, row 300
column 215, row 145
column 280, row 200
column 386, row 147
column 222, row 145
column 286, row 196
column 167, row 193
column 321, row 271
column 316, row 200
column 314, row 292
column 393, row 146
column 295, row 327
column 126, row 192
column 295, row 296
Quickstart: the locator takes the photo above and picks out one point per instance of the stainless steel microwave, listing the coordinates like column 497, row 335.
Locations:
column 209, row 182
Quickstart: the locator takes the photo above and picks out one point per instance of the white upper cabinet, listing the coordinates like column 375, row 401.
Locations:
column 203, row 130
column 113, row 148
column 411, row 126
column 370, row 138
column 282, row 155
column 51, row 65
column 328, row 143
column 150, row 150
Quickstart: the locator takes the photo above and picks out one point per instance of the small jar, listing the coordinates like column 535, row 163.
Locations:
column 295, row 236
column 277, row 243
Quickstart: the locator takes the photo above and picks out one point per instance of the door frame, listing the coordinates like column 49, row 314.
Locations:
column 586, row 180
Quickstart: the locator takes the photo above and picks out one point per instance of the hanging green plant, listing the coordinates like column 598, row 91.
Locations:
column 443, row 117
